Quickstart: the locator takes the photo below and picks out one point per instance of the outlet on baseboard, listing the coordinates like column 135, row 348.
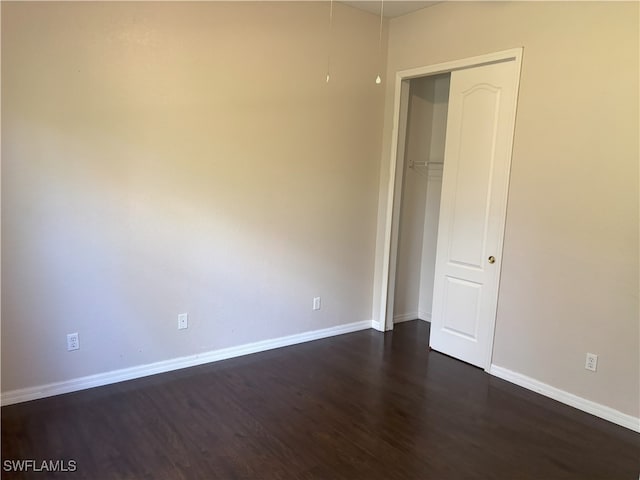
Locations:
column 73, row 341
column 592, row 362
column 183, row 321
column 316, row 303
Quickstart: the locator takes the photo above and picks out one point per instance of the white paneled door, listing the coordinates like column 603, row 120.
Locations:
column 480, row 123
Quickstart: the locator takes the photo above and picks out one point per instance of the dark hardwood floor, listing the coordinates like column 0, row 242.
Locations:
column 358, row 406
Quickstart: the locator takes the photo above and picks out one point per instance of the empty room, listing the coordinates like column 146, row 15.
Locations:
column 320, row 240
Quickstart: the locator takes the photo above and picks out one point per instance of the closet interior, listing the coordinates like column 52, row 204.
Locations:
column 420, row 201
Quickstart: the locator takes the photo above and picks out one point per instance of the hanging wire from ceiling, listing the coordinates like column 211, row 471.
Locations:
column 378, row 78
column 329, row 41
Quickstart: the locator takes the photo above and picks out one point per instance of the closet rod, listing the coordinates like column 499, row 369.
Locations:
column 423, row 164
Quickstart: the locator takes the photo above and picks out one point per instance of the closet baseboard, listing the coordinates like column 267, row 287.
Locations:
column 405, row 317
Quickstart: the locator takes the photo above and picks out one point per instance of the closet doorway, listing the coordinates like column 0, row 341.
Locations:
column 420, row 204
column 453, row 138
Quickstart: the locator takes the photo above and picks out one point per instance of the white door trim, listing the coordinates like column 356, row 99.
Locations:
column 394, row 198
column 389, row 252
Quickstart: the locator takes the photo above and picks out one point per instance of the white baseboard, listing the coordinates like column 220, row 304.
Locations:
column 597, row 409
column 67, row 386
column 426, row 316
column 405, row 317
column 376, row 325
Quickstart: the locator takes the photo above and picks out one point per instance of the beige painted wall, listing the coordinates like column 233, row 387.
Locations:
column 167, row 157
column 570, row 265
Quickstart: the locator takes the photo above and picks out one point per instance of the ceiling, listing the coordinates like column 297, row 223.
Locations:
column 392, row 8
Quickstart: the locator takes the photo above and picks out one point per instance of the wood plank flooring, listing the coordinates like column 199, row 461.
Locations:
column 360, row 406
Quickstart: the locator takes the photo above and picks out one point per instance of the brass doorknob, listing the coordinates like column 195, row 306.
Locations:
column 492, row 259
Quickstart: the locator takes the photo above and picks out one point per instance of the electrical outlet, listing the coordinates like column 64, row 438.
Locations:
column 591, row 362
column 183, row 321
column 316, row 303
column 73, row 341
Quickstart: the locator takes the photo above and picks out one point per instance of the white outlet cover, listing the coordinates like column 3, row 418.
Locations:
column 591, row 363
column 73, row 341
column 183, row 321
